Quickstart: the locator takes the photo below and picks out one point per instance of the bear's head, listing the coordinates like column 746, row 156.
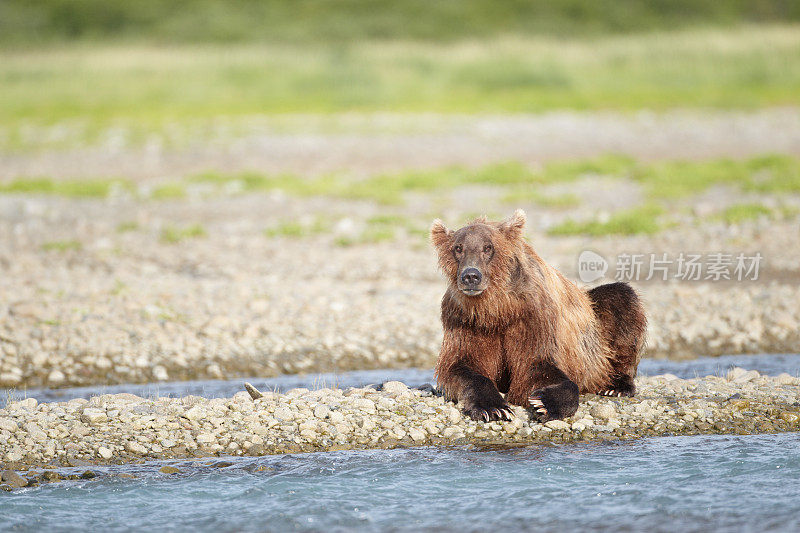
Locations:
column 480, row 254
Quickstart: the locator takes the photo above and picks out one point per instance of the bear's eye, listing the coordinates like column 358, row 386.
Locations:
column 457, row 248
column 487, row 249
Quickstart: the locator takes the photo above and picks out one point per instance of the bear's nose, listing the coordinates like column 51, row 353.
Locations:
column 471, row 276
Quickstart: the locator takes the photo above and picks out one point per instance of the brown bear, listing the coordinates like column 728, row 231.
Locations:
column 515, row 325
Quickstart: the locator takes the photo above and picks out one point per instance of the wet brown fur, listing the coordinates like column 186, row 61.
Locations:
column 529, row 325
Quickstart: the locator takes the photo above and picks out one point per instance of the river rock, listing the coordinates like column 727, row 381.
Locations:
column 104, row 452
column 136, row 448
column 321, row 411
column 283, row 414
column 92, row 415
column 13, row 479
column 604, row 411
column 7, row 424
column 557, row 424
column 416, row 434
column 395, row 387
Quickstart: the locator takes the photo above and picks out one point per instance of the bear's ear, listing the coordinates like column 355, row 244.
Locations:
column 513, row 227
column 440, row 235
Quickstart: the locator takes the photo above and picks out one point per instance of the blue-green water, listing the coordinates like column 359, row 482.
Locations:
column 702, row 483
column 770, row 364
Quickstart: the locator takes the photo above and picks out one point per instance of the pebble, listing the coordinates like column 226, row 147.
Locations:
column 14, row 455
column 92, row 415
column 129, row 427
column 786, row 379
column 160, row 373
column 13, row 479
column 417, row 434
column 603, row 410
column 321, row 411
column 557, row 424
column 394, row 387
column 136, row 448
column 6, row 424
column 206, row 438
column 364, row 404
column 104, row 452
column 119, row 326
column 284, row 414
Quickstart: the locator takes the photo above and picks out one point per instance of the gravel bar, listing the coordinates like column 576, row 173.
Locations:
column 121, row 428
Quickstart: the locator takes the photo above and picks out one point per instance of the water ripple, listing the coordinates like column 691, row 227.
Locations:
column 728, row 483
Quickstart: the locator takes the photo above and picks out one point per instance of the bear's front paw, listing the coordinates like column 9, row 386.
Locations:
column 555, row 402
column 487, row 414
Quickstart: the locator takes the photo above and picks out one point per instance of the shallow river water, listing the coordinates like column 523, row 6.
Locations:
column 770, row 364
column 698, row 483
column 701, row 483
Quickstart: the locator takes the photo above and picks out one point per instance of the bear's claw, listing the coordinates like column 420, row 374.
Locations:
column 488, row 415
column 617, row 393
column 554, row 402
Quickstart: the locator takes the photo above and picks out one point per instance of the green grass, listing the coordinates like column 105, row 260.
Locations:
column 168, row 191
column 737, row 213
column 343, row 21
column 662, row 181
column 174, row 234
column 665, row 180
column 387, row 189
column 388, row 220
column 147, row 90
column 125, row 227
column 297, row 229
column 634, row 221
column 552, row 201
column 675, row 179
column 62, row 246
column 98, row 188
column 371, row 235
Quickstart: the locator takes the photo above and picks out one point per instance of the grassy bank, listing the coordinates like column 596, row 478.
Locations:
column 149, row 87
column 25, row 22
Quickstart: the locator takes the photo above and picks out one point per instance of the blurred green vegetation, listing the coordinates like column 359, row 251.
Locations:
column 152, row 88
column 664, row 187
column 62, row 246
column 740, row 212
column 300, row 228
column 660, row 181
column 168, row 191
column 89, row 188
column 337, row 21
column 125, row 227
column 173, row 234
column 642, row 219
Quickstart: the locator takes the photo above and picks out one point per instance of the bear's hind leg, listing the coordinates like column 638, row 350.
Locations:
column 621, row 385
column 623, row 324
